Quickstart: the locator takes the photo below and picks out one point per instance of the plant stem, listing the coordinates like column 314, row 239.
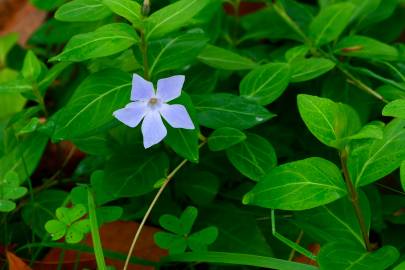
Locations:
column 40, row 98
column 151, row 206
column 354, row 198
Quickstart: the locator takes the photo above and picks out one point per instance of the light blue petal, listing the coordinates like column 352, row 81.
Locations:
column 132, row 114
column 153, row 129
column 141, row 89
column 177, row 116
column 170, row 88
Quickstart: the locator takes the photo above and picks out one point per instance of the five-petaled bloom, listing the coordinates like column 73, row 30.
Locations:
column 150, row 106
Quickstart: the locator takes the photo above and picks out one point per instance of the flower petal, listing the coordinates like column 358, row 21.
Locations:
column 141, row 89
column 177, row 116
column 132, row 114
column 153, row 129
column 170, row 88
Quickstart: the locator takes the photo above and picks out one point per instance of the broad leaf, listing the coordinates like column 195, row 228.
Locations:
column 224, row 138
column 199, row 241
column 330, row 23
column 172, row 17
column 308, row 69
column 370, row 160
column 164, row 53
column 266, row 83
column 138, row 174
column 395, row 108
column 106, row 40
column 82, row 11
column 337, row 256
column 226, row 110
column 328, row 121
column 93, row 104
column 254, row 157
column 220, row 58
column 299, row 185
column 373, row 130
column 6, row 43
column 31, row 67
column 365, row 47
column 128, row 9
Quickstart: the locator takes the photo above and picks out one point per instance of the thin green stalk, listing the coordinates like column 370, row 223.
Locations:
column 95, row 236
column 40, row 98
column 354, row 198
column 151, row 206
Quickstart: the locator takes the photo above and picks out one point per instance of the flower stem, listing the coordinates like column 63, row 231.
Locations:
column 354, row 198
column 151, row 206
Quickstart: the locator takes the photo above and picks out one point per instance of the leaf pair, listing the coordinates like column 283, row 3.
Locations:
column 179, row 237
column 68, row 223
column 10, row 190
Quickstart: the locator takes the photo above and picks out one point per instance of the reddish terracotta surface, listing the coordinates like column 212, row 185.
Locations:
column 244, row 8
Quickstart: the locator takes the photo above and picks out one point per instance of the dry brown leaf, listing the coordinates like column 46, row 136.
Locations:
column 15, row 262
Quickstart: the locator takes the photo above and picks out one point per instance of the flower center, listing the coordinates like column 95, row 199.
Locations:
column 153, row 101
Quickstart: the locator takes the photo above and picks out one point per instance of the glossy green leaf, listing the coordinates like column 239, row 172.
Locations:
column 172, row 17
column 76, row 232
column 128, row 9
column 300, row 185
column 163, row 53
column 330, row 23
column 328, row 121
column 7, row 206
column 266, row 83
column 373, row 130
column 93, row 104
column 6, row 43
column 227, row 110
column 254, row 157
column 395, row 108
column 308, row 69
column 370, row 160
column 31, row 67
column 82, row 11
column 220, row 58
column 365, row 47
column 224, row 138
column 137, row 173
column 199, row 241
column 56, row 229
column 106, row 40
column 337, row 256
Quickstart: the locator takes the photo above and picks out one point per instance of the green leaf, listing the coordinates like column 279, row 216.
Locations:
column 15, row 86
column 93, row 104
column 106, row 40
column 127, row 9
column 70, row 215
column 184, row 141
column 370, row 160
column 201, row 187
column 300, row 185
column 330, row 23
column 31, row 69
column 337, row 256
column 82, row 11
column 365, row 47
column 224, row 138
column 174, row 243
column 199, row 241
column 171, row 224
column 336, row 220
column 163, row 53
column 6, row 43
column 308, row 69
column 47, row 4
column 403, row 175
column 220, row 58
column 137, row 173
column 172, row 17
column 373, row 130
column 77, row 231
column 56, row 229
column 6, row 206
column 10, row 188
column 395, row 108
column 227, row 110
column 187, row 219
column 266, row 83
column 328, row 121
column 24, row 157
column 254, row 157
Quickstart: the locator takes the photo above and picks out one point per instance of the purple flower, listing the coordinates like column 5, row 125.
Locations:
column 151, row 107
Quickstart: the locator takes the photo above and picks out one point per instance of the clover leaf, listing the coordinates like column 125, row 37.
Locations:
column 10, row 190
column 68, row 223
column 179, row 238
